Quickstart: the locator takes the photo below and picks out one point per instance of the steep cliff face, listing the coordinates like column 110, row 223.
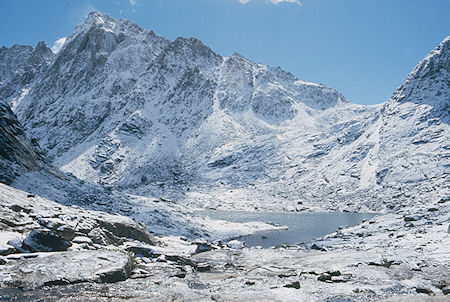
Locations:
column 414, row 129
column 17, row 155
column 19, row 67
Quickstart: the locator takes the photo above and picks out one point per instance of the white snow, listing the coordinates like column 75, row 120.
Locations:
column 58, row 44
column 9, row 240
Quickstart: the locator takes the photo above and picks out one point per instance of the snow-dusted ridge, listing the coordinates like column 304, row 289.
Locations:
column 122, row 106
column 117, row 92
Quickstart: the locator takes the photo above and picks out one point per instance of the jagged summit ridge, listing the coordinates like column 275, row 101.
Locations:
column 437, row 61
column 111, row 76
column 432, row 75
column 19, row 67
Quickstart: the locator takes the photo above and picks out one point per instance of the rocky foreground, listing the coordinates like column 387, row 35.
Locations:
column 53, row 252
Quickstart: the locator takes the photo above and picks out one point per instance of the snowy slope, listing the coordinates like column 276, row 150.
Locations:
column 414, row 129
column 122, row 106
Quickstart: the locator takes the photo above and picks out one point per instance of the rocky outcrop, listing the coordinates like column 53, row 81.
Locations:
column 64, row 268
column 19, row 67
column 33, row 224
column 17, row 153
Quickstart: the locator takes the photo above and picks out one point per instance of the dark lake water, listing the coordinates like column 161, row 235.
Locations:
column 302, row 226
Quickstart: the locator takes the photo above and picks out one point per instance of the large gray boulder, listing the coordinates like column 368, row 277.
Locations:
column 62, row 268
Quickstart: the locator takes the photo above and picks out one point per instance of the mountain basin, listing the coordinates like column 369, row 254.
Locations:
column 303, row 226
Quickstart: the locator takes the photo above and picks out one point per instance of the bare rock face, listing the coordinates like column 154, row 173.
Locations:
column 45, row 241
column 63, row 268
column 428, row 82
column 19, row 67
column 17, row 154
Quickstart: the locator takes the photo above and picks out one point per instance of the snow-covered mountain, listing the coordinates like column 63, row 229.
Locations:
column 414, row 125
column 123, row 106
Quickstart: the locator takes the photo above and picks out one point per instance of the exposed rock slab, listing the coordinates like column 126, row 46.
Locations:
column 62, row 268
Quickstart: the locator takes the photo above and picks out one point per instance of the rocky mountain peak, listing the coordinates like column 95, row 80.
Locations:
column 41, row 45
column 437, row 61
column 19, row 66
column 195, row 45
column 121, row 28
column 98, row 19
column 428, row 82
column 42, row 54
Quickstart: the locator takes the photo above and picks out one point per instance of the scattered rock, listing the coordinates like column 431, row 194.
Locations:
column 235, row 244
column 9, row 241
column 45, row 241
column 287, row 275
column 139, row 274
column 127, row 228
column 181, row 260
column 295, row 285
column 424, row 291
column 318, row 247
column 142, row 251
column 202, row 247
column 444, row 199
column 334, row 277
column 384, row 263
column 203, row 267
column 180, row 275
column 18, row 208
column 324, row 278
column 82, row 239
column 412, row 218
column 103, row 237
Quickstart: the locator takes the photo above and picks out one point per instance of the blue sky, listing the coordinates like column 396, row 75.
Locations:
column 362, row 48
